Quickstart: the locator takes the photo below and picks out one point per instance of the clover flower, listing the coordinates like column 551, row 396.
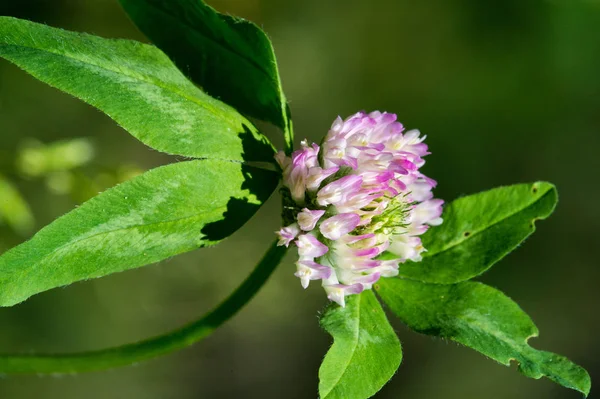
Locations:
column 357, row 204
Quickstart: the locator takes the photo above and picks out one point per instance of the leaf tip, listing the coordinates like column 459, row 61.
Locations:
column 546, row 194
column 541, row 187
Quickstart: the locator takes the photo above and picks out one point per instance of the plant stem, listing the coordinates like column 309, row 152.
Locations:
column 150, row 348
column 289, row 129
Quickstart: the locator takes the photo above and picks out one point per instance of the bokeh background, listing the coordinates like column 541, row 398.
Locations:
column 507, row 91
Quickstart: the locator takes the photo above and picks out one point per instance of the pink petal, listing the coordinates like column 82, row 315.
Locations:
column 310, row 247
column 339, row 225
column 307, row 219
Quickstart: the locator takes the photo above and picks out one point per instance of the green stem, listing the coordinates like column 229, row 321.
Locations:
column 152, row 347
column 289, row 129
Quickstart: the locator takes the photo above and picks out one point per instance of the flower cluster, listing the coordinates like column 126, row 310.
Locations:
column 358, row 203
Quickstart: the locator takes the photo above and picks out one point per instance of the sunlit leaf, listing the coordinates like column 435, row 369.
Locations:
column 482, row 318
column 164, row 212
column 231, row 58
column 137, row 86
column 366, row 351
column 479, row 230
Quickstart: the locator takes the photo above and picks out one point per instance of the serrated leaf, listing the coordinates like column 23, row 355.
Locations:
column 230, row 57
column 479, row 230
column 162, row 213
column 482, row 318
column 365, row 353
column 136, row 85
column 14, row 210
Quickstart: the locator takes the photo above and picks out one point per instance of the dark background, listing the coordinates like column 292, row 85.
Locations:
column 506, row 90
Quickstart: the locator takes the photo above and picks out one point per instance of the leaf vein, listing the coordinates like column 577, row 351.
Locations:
column 140, row 78
column 355, row 340
column 476, row 233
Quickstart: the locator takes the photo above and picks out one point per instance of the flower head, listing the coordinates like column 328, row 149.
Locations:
column 356, row 196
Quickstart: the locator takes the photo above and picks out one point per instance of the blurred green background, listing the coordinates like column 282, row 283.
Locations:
column 507, row 91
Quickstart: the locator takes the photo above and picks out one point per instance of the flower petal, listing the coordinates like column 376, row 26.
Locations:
column 339, row 225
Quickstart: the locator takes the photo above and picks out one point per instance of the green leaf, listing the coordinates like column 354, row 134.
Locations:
column 162, row 213
column 479, row 230
column 139, row 351
column 365, row 353
column 231, row 58
column 14, row 210
column 482, row 318
column 137, row 86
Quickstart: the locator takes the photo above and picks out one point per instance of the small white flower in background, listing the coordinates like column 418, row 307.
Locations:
column 358, row 195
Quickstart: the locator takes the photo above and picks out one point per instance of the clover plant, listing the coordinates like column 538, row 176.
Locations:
column 356, row 206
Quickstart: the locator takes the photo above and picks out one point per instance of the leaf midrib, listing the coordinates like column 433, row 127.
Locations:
column 523, row 352
column 24, row 271
column 356, row 340
column 494, row 223
column 140, row 78
column 502, row 337
column 471, row 326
